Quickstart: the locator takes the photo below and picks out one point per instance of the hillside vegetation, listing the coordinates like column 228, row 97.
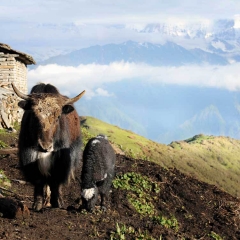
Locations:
column 215, row 160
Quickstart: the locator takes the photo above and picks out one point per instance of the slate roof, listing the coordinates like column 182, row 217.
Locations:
column 23, row 57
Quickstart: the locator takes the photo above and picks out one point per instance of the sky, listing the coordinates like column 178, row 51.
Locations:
column 48, row 27
column 80, row 23
column 113, row 12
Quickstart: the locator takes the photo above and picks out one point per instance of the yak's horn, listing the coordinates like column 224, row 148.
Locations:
column 20, row 94
column 73, row 100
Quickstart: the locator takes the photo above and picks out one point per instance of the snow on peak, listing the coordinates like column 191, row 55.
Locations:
column 137, row 26
column 237, row 21
column 175, row 29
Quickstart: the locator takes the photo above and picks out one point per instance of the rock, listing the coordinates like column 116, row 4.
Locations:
column 10, row 208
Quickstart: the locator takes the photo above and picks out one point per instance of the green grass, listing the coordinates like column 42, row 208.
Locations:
column 3, row 144
column 142, row 193
column 4, row 181
column 140, row 190
column 124, row 139
column 215, row 160
column 124, row 232
column 198, row 139
column 215, row 236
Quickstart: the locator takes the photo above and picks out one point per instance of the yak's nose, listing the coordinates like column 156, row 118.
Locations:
column 50, row 148
column 45, row 147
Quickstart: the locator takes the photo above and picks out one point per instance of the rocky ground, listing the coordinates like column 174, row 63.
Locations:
column 170, row 206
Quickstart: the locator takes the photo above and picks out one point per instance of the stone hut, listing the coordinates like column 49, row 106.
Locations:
column 13, row 69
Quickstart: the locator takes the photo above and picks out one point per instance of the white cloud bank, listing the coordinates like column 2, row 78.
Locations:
column 92, row 77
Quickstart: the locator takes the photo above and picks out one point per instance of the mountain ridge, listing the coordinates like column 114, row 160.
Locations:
column 168, row 54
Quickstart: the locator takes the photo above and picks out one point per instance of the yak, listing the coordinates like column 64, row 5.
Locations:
column 98, row 171
column 49, row 141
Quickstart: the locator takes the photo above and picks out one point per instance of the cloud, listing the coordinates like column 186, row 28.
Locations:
column 93, row 77
column 102, row 92
column 118, row 11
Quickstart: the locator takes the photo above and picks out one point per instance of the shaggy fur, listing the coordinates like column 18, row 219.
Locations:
column 49, row 142
column 98, row 171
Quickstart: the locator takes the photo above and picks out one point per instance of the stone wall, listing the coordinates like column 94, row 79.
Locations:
column 10, row 113
column 21, row 76
column 12, row 70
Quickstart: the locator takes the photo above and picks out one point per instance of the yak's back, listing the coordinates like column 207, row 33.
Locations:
column 99, row 156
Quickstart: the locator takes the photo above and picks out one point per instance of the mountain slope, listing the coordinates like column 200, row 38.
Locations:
column 146, row 202
column 208, row 121
column 211, row 159
column 208, row 57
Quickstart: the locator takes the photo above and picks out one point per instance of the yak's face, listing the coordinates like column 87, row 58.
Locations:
column 47, row 109
column 89, row 198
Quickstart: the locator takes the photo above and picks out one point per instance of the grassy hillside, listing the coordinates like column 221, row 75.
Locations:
column 215, row 160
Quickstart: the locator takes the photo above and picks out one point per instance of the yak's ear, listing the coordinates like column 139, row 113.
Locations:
column 25, row 105
column 67, row 109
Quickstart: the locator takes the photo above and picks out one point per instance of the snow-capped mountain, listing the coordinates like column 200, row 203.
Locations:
column 180, row 30
column 225, row 29
column 221, row 37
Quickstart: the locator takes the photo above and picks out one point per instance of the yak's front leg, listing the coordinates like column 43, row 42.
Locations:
column 38, row 196
column 103, row 201
column 56, row 195
column 47, row 196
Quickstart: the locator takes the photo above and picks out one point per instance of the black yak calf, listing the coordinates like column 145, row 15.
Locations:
column 49, row 141
column 98, row 171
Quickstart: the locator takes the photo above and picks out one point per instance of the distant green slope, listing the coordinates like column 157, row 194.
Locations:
column 110, row 111
column 215, row 160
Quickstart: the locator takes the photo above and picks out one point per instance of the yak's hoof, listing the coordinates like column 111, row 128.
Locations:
column 37, row 205
column 57, row 203
column 47, row 203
